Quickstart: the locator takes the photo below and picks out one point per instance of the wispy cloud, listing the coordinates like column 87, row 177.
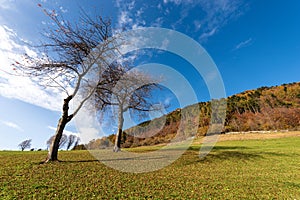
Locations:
column 12, row 125
column 63, row 10
column 7, row 4
column 213, row 15
column 177, row 2
column 124, row 18
column 130, row 15
column 18, row 87
column 198, row 18
column 208, row 34
column 197, row 25
column 243, row 44
column 3, row 80
column 218, row 14
column 65, row 131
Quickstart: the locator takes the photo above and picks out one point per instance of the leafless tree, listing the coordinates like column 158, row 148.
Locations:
column 71, row 140
column 127, row 90
column 77, row 142
column 26, row 144
column 69, row 53
column 62, row 142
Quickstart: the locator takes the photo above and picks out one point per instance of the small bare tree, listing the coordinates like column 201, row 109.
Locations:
column 26, row 144
column 69, row 53
column 127, row 90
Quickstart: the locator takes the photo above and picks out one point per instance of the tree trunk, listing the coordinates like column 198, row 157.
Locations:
column 117, row 146
column 53, row 150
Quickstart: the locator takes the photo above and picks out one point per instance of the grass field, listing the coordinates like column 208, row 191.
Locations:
column 240, row 169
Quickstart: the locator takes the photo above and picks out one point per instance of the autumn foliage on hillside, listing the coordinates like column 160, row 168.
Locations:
column 265, row 108
column 274, row 108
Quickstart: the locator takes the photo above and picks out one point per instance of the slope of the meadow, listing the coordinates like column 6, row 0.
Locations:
column 238, row 169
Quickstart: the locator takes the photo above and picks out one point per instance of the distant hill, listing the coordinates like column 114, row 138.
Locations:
column 265, row 108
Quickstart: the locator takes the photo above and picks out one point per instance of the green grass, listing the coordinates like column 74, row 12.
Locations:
column 251, row 169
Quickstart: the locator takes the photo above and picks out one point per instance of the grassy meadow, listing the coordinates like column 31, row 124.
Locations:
column 235, row 169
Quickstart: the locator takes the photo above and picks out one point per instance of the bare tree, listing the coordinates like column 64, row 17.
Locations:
column 77, row 142
column 69, row 53
column 71, row 140
column 127, row 90
column 62, row 142
column 26, row 144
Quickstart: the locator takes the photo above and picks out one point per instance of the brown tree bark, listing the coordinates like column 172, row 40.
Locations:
column 117, row 146
column 53, row 150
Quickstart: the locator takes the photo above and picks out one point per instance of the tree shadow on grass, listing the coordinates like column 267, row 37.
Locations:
column 113, row 159
column 291, row 155
column 79, row 161
column 219, row 153
column 217, row 156
column 233, row 155
column 191, row 156
column 67, row 161
column 217, row 148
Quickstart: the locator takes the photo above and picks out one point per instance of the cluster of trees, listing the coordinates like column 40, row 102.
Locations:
column 65, row 141
column 81, row 60
column 266, row 108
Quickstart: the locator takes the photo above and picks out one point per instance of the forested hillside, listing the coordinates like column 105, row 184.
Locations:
column 265, row 108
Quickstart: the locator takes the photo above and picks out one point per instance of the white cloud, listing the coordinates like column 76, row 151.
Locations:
column 197, row 25
column 7, row 4
column 12, row 125
column 19, row 87
column 88, row 134
column 165, row 44
column 213, row 15
column 5, row 43
column 129, row 17
column 124, row 18
column 3, row 80
column 243, row 44
column 63, row 10
column 167, row 101
column 157, row 22
column 87, row 124
column 208, row 34
column 65, row 131
column 218, row 14
column 131, row 5
column 177, row 2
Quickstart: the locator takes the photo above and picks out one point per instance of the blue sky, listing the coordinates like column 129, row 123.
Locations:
column 254, row 43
